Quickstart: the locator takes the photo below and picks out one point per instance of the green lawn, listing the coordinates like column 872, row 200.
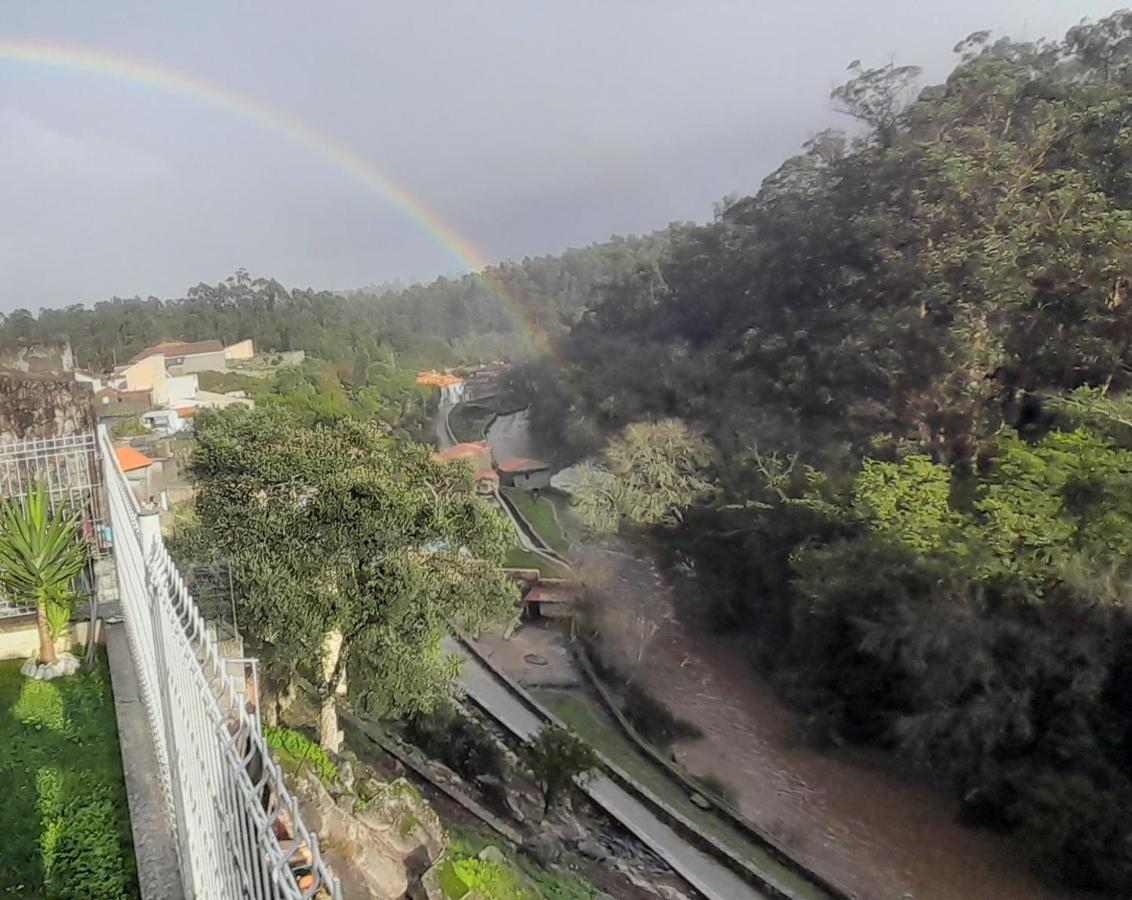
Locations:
column 518, row 558
column 593, row 724
column 65, row 829
column 540, row 515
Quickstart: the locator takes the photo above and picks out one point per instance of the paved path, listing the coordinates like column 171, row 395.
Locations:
column 709, row 877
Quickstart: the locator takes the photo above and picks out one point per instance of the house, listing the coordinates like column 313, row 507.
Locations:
column 241, row 351
column 145, row 374
column 451, row 386
column 180, row 389
column 479, row 454
column 552, row 598
column 164, row 421
column 186, row 357
column 528, row 474
column 110, row 403
column 146, row 475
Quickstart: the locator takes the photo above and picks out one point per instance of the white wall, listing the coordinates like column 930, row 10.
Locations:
column 181, row 389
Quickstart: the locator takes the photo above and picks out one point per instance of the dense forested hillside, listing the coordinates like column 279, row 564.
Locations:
column 911, row 351
column 447, row 321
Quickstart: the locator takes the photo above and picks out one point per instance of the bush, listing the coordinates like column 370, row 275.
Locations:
column 656, row 722
column 458, row 741
column 296, row 750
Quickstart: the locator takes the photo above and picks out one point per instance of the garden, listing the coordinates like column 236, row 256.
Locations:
column 66, row 827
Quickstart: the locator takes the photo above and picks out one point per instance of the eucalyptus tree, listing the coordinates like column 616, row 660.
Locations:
column 349, row 548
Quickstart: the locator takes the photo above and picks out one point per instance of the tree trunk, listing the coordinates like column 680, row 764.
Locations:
column 47, row 653
column 329, row 737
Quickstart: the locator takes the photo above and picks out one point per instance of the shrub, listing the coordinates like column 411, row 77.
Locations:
column 555, row 757
column 458, row 741
column 655, row 721
column 296, row 751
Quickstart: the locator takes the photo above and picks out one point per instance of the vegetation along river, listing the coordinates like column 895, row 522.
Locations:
column 848, row 814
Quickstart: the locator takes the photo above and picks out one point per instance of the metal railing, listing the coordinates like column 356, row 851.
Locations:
column 237, row 829
column 68, row 467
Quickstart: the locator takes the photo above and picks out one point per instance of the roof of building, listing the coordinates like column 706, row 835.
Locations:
column 179, row 348
column 516, row 465
column 440, row 379
column 130, row 459
column 186, row 412
column 466, row 448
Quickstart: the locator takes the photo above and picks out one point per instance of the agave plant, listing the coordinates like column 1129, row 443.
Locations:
column 40, row 555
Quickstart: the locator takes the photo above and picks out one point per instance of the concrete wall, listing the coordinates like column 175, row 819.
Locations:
column 181, row 389
column 241, row 350
column 204, row 362
column 40, row 406
column 122, row 404
column 148, row 375
column 19, row 639
column 43, row 358
column 528, row 481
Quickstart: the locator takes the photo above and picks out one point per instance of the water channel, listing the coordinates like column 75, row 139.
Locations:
column 850, row 815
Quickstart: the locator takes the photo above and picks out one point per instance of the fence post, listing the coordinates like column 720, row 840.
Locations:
column 149, row 524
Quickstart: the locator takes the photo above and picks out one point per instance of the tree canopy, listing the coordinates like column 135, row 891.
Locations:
column 348, row 548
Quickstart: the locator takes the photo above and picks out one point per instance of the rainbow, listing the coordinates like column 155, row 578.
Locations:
column 343, row 157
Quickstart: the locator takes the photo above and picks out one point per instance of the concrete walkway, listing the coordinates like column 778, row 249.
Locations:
column 709, row 877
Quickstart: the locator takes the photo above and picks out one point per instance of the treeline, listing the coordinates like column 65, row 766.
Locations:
column 449, row 321
column 911, row 352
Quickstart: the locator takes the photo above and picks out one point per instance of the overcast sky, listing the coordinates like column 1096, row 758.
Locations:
column 528, row 125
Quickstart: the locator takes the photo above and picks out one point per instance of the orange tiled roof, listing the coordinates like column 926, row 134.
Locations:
column 179, row 348
column 130, row 459
column 439, row 379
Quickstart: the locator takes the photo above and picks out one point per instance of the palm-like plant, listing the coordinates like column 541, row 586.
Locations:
column 40, row 555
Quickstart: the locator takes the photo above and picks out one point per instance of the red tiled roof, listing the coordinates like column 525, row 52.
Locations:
column 179, row 348
column 130, row 459
column 518, row 464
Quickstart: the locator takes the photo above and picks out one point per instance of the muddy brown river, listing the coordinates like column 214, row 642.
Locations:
column 853, row 816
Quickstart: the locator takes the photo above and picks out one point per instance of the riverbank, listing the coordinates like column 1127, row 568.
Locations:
column 852, row 816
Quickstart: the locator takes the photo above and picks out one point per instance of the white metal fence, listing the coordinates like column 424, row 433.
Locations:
column 68, row 467
column 238, row 831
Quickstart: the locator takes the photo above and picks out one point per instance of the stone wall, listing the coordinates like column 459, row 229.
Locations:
column 40, row 406
column 43, row 358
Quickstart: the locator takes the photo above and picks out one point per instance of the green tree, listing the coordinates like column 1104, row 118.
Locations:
column 350, row 548
column 650, row 472
column 40, row 556
column 557, row 758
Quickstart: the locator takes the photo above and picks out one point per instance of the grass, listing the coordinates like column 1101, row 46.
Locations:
column 296, row 752
column 519, row 879
column 539, row 514
column 65, row 829
column 597, row 728
column 518, row 558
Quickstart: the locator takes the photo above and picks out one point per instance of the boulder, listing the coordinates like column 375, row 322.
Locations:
column 396, row 827
column 592, row 850
column 700, row 800
column 66, row 664
column 493, row 855
column 543, row 848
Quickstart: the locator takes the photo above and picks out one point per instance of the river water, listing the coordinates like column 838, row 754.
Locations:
column 882, row 834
